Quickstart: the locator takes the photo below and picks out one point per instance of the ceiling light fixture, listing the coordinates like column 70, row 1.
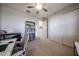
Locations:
column 38, row 6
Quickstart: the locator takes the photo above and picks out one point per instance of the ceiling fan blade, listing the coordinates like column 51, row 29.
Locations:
column 37, row 12
column 30, row 6
column 45, row 9
column 28, row 11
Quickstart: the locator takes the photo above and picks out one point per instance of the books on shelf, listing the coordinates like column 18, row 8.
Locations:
column 30, row 30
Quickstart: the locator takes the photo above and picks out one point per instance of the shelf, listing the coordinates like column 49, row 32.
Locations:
column 30, row 30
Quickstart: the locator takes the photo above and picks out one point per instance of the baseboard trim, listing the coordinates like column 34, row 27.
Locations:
column 62, row 44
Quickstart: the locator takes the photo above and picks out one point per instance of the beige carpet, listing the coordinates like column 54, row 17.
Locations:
column 45, row 47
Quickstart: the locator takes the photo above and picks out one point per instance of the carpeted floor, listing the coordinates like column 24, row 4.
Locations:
column 47, row 47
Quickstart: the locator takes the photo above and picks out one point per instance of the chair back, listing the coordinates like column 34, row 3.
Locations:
column 25, row 41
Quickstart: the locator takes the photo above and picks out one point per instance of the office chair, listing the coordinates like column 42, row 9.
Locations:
column 23, row 51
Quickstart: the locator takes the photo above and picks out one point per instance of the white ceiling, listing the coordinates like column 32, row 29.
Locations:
column 51, row 7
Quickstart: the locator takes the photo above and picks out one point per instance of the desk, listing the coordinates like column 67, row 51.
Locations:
column 77, row 47
column 9, row 49
column 10, row 36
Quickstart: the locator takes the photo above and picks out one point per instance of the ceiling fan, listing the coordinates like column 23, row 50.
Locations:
column 38, row 7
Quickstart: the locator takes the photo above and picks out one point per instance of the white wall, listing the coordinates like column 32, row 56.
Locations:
column 0, row 17
column 43, row 30
column 62, row 28
column 37, row 28
column 13, row 20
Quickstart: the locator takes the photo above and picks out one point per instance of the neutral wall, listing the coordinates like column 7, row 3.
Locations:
column 14, row 20
column 63, row 28
column 0, row 17
column 43, row 29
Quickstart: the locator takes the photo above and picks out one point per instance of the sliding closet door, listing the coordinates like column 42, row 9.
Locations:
column 63, row 28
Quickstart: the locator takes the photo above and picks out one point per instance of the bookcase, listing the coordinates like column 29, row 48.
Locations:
column 30, row 30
